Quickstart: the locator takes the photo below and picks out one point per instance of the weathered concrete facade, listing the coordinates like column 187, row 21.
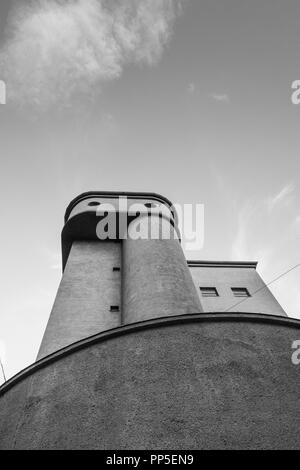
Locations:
column 135, row 355
column 227, row 275
column 88, row 288
column 154, row 279
column 157, row 281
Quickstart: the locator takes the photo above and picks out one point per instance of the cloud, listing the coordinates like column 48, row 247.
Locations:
column 55, row 51
column 191, row 88
column 56, row 263
column 52, row 257
column 220, row 97
column 284, row 196
column 2, row 92
column 244, row 245
column 269, row 237
column 239, row 244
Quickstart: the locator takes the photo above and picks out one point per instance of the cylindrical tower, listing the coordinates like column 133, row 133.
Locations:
column 132, row 358
column 123, row 263
column 156, row 281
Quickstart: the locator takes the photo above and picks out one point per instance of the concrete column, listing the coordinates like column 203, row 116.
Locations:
column 88, row 290
column 156, row 279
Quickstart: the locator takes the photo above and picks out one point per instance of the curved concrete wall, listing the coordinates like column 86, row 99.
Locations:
column 120, row 201
column 195, row 382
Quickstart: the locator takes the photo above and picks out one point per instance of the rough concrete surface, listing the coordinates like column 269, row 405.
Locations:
column 205, row 385
column 224, row 278
column 88, row 289
column 156, row 281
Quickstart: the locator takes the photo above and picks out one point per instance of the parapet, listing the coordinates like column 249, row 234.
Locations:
column 86, row 210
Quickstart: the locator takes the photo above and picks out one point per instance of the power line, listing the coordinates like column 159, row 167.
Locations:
column 265, row 286
column 2, row 368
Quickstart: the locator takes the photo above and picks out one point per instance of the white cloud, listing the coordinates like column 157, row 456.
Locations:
column 220, row 97
column 2, row 92
column 284, row 196
column 271, row 239
column 56, row 50
column 57, row 264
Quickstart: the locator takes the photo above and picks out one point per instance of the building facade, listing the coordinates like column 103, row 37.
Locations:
column 146, row 350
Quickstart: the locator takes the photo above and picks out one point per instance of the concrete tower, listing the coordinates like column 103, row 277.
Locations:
column 113, row 282
column 144, row 350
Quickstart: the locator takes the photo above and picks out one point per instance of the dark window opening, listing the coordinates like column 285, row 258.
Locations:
column 114, row 308
column 94, row 203
column 240, row 292
column 116, row 269
column 209, row 292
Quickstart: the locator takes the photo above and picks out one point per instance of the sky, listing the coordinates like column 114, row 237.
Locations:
column 190, row 99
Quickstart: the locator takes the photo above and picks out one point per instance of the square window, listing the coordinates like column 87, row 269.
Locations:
column 114, row 308
column 240, row 292
column 209, row 292
column 116, row 269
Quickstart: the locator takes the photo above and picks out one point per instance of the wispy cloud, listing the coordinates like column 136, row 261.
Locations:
column 220, row 97
column 2, row 92
column 191, row 88
column 57, row 50
column 283, row 197
column 271, row 238
column 56, row 262
column 244, row 247
column 240, row 250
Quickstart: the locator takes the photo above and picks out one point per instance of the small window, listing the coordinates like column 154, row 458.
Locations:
column 209, row 292
column 114, row 308
column 116, row 269
column 94, row 203
column 240, row 292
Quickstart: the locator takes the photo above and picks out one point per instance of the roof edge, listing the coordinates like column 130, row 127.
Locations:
column 130, row 194
column 222, row 264
column 147, row 324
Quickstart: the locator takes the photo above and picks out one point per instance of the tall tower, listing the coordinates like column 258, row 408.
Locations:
column 144, row 350
column 119, row 279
